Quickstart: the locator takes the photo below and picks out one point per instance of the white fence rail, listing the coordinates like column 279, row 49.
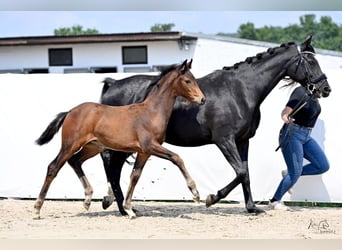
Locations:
column 29, row 102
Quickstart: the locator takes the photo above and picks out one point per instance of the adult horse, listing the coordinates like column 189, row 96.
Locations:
column 89, row 128
column 231, row 114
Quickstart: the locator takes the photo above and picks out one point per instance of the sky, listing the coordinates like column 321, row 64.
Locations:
column 41, row 23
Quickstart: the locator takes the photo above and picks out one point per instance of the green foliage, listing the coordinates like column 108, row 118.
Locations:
column 74, row 30
column 162, row 27
column 326, row 33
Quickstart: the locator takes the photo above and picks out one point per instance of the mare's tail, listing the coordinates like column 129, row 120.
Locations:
column 107, row 82
column 52, row 129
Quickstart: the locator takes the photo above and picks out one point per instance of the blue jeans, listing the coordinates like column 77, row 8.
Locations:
column 297, row 144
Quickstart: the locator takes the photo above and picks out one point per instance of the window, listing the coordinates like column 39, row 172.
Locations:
column 103, row 69
column 134, row 55
column 36, row 70
column 60, row 57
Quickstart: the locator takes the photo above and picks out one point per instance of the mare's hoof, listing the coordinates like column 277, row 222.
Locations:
column 107, row 201
column 256, row 211
column 122, row 212
column 210, row 200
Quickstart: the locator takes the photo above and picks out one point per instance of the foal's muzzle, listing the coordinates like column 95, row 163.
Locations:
column 202, row 101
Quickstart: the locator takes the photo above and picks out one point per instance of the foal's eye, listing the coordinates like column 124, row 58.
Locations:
column 187, row 81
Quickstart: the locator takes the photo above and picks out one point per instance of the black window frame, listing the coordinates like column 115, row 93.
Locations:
column 127, row 61
column 56, row 60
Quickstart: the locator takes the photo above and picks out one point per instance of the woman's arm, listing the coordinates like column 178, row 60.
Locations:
column 285, row 115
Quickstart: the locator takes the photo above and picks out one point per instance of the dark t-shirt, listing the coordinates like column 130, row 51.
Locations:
column 307, row 115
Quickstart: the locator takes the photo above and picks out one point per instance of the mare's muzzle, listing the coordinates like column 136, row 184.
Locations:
column 320, row 86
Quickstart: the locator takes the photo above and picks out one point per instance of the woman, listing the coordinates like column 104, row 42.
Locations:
column 296, row 142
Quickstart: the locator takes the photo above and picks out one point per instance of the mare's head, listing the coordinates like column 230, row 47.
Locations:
column 185, row 84
column 305, row 69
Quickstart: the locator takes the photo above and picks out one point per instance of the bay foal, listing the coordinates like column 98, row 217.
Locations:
column 89, row 128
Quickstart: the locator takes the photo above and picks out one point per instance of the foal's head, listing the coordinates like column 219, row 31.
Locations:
column 185, row 84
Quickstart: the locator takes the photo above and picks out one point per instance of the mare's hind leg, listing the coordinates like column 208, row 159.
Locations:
column 52, row 172
column 76, row 161
column 164, row 153
column 135, row 175
column 113, row 162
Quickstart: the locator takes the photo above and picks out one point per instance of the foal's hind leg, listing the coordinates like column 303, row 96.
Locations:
column 164, row 153
column 52, row 172
column 76, row 161
column 135, row 175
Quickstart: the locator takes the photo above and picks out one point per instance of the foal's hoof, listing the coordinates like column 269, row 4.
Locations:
column 210, row 200
column 86, row 204
column 196, row 199
column 130, row 213
column 36, row 217
column 107, row 201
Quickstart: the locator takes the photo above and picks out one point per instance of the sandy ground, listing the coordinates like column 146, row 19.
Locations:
column 165, row 220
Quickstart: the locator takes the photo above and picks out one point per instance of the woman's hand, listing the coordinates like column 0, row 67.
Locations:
column 285, row 115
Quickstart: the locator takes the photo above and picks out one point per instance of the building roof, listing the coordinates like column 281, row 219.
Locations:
column 256, row 43
column 98, row 38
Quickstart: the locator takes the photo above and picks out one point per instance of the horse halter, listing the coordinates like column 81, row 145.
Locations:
column 312, row 83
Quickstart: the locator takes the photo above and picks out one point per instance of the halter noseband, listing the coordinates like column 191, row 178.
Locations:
column 312, row 84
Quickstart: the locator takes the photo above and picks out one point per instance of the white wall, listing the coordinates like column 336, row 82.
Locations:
column 29, row 102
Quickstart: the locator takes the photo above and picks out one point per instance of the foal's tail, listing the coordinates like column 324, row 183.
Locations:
column 52, row 129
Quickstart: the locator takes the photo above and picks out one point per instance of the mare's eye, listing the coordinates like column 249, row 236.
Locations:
column 187, row 81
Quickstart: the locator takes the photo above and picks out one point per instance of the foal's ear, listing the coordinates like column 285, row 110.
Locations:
column 184, row 67
column 189, row 64
column 306, row 45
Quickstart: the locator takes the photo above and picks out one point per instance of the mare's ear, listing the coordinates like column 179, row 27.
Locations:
column 306, row 45
column 184, row 67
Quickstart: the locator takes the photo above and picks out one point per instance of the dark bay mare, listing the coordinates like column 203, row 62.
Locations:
column 230, row 115
column 89, row 128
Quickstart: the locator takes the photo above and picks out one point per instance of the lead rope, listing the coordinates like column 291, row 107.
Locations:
column 302, row 102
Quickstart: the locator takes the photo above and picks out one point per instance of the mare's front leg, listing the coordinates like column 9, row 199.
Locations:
column 135, row 175
column 164, row 153
column 239, row 163
column 246, row 187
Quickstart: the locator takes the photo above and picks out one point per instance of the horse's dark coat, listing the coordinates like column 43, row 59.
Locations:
column 230, row 116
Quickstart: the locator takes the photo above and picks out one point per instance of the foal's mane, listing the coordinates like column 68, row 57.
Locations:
column 164, row 71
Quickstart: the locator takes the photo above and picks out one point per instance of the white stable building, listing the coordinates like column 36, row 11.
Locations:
column 131, row 52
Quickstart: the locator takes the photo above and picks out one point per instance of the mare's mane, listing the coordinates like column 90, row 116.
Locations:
column 259, row 56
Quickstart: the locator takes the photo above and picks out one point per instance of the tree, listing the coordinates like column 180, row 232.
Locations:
column 327, row 34
column 74, row 30
column 162, row 27
column 247, row 31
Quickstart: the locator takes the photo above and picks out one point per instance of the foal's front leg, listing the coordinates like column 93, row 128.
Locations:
column 135, row 175
column 164, row 153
